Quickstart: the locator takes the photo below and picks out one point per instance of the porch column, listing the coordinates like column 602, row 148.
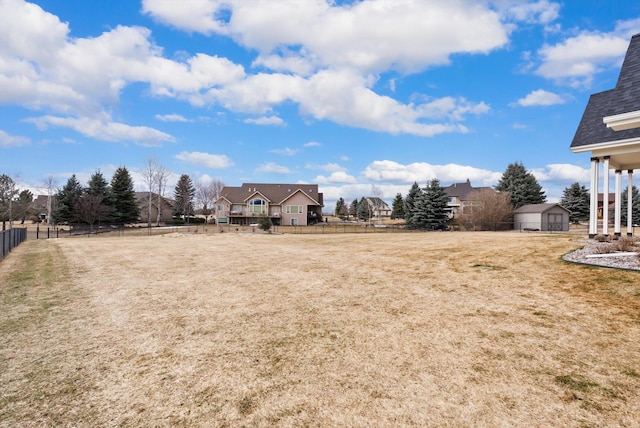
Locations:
column 630, row 203
column 593, row 211
column 605, row 198
column 618, row 203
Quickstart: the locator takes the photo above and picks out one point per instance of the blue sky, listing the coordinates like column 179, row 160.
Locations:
column 346, row 94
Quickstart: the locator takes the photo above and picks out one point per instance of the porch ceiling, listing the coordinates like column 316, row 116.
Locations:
column 622, row 155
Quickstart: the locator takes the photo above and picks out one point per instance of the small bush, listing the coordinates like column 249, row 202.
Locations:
column 601, row 238
column 627, row 243
column 605, row 248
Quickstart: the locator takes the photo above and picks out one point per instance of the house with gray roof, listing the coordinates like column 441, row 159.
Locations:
column 284, row 204
column 459, row 201
column 610, row 131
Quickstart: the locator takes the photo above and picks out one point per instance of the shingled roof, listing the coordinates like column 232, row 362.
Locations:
column 275, row 193
column 623, row 99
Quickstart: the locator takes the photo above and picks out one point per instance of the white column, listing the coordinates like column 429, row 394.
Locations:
column 593, row 211
column 618, row 203
column 630, row 203
column 605, row 198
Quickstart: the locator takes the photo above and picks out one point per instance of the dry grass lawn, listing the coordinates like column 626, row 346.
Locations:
column 435, row 329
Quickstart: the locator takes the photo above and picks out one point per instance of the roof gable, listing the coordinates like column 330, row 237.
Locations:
column 538, row 208
column 274, row 193
column 624, row 98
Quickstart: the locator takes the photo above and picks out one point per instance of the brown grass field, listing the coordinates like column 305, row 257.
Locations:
column 251, row 329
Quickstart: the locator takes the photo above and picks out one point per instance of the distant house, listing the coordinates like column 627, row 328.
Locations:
column 166, row 207
column 610, row 131
column 459, row 201
column 39, row 207
column 543, row 217
column 285, row 204
column 377, row 207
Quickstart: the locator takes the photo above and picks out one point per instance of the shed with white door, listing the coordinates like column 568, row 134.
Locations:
column 543, row 217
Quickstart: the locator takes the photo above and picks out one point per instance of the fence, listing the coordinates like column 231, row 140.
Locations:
column 11, row 238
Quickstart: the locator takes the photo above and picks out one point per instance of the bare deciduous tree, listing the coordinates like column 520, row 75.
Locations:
column 207, row 194
column 49, row 185
column 162, row 176
column 149, row 175
column 487, row 210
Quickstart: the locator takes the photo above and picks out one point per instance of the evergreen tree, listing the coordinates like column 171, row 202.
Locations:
column 8, row 192
column 353, row 208
column 409, row 205
column 431, row 207
column 363, row 210
column 98, row 187
column 397, row 207
column 340, row 208
column 66, row 199
column 635, row 207
column 575, row 198
column 522, row 186
column 183, row 194
column 23, row 206
column 126, row 209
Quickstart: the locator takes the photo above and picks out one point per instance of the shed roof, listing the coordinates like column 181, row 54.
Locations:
column 537, row 208
column 624, row 98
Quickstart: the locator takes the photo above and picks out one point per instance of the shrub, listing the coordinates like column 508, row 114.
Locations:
column 627, row 243
column 601, row 238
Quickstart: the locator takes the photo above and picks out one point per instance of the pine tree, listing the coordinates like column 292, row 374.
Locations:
column 397, row 207
column 635, row 207
column 353, row 208
column 66, row 199
column 23, row 206
column 340, row 208
column 98, row 187
column 126, row 209
column 183, row 194
column 364, row 211
column 431, row 207
column 575, row 198
column 522, row 186
column 409, row 205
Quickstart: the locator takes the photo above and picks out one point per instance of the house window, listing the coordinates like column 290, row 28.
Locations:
column 294, row 222
column 294, row 209
column 257, row 206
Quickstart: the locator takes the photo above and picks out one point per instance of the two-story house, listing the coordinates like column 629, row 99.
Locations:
column 459, row 201
column 284, row 204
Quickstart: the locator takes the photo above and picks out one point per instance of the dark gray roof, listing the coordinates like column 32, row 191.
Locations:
column 537, row 208
column 623, row 99
column 275, row 193
column 462, row 190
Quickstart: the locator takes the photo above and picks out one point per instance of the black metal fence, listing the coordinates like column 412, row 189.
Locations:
column 11, row 238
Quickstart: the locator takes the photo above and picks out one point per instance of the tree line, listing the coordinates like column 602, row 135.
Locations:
column 111, row 202
column 427, row 207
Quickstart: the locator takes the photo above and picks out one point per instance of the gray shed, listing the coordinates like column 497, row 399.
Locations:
column 544, row 217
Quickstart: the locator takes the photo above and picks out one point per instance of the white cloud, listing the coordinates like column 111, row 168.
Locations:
column 105, row 130
column 422, row 172
column 540, row 97
column 369, row 36
column 577, row 59
column 565, row 173
column 542, row 12
column 335, row 177
column 329, row 167
column 311, row 144
column 7, row 140
column 285, row 152
column 520, row 126
column 171, row 118
column 273, row 168
column 265, row 120
column 207, row 160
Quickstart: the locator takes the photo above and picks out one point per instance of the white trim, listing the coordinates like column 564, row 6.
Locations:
column 607, row 145
column 621, row 122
